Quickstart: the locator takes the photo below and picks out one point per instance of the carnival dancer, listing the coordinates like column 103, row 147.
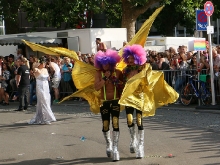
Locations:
column 134, row 56
column 108, row 80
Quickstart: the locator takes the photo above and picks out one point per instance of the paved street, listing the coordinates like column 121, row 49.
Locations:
column 191, row 136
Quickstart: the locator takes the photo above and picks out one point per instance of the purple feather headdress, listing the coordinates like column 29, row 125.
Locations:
column 137, row 51
column 110, row 57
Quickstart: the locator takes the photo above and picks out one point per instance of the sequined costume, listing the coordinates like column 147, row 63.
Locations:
column 44, row 114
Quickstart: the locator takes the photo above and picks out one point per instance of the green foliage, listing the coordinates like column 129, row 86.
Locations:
column 177, row 11
column 55, row 12
column 113, row 13
column 71, row 12
column 216, row 13
column 9, row 10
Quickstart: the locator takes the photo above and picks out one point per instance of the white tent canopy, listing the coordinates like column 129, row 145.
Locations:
column 16, row 40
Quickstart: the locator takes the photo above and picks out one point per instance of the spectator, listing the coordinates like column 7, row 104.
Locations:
column 189, row 56
column 13, row 81
column 23, row 84
column 56, row 77
column 152, row 60
column 79, row 55
column 19, row 54
column 172, row 51
column 163, row 62
column 90, row 60
column 100, row 45
column 67, row 76
column 182, row 66
column 33, row 64
column 5, row 87
column 216, row 59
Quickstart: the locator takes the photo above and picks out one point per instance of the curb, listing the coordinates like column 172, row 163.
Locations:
column 203, row 109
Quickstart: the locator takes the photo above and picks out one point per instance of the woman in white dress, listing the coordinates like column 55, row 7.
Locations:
column 44, row 114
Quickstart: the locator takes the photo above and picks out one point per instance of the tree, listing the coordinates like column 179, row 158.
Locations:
column 216, row 13
column 120, row 13
column 9, row 10
column 54, row 12
column 178, row 11
column 131, row 9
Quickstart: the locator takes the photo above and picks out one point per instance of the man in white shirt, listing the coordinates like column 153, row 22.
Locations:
column 56, row 77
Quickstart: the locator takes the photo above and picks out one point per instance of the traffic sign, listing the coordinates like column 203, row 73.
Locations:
column 201, row 20
column 210, row 29
column 208, row 8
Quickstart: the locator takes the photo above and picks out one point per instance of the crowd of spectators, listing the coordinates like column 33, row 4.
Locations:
column 175, row 63
column 178, row 63
column 59, row 68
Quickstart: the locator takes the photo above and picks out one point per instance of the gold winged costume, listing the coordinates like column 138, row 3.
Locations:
column 145, row 91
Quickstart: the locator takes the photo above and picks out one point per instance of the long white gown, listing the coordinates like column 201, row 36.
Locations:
column 44, row 114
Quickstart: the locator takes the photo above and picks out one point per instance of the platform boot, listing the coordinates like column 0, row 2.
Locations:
column 115, row 156
column 108, row 143
column 133, row 142
column 140, row 146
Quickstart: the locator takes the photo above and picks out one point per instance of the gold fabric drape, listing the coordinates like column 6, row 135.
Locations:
column 84, row 77
column 56, row 51
column 147, row 90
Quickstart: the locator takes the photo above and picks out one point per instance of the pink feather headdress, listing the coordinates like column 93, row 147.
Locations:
column 137, row 51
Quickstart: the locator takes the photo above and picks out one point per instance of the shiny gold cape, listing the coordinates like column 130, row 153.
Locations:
column 147, row 90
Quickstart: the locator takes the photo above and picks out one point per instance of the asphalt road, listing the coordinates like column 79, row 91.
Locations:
column 191, row 136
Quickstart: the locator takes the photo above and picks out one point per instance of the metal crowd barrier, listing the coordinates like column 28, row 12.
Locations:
column 169, row 75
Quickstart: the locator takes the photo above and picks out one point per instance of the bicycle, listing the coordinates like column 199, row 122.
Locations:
column 189, row 91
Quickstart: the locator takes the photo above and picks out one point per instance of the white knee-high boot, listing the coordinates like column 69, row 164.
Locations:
column 140, row 147
column 133, row 142
column 115, row 152
column 108, row 143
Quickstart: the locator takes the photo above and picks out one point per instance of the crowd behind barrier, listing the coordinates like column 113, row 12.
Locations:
column 176, row 65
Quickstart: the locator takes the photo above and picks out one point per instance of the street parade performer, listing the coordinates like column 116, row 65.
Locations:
column 109, row 81
column 140, row 93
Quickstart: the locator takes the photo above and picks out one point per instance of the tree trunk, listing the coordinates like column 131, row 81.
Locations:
column 129, row 23
column 130, row 14
column 128, row 19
